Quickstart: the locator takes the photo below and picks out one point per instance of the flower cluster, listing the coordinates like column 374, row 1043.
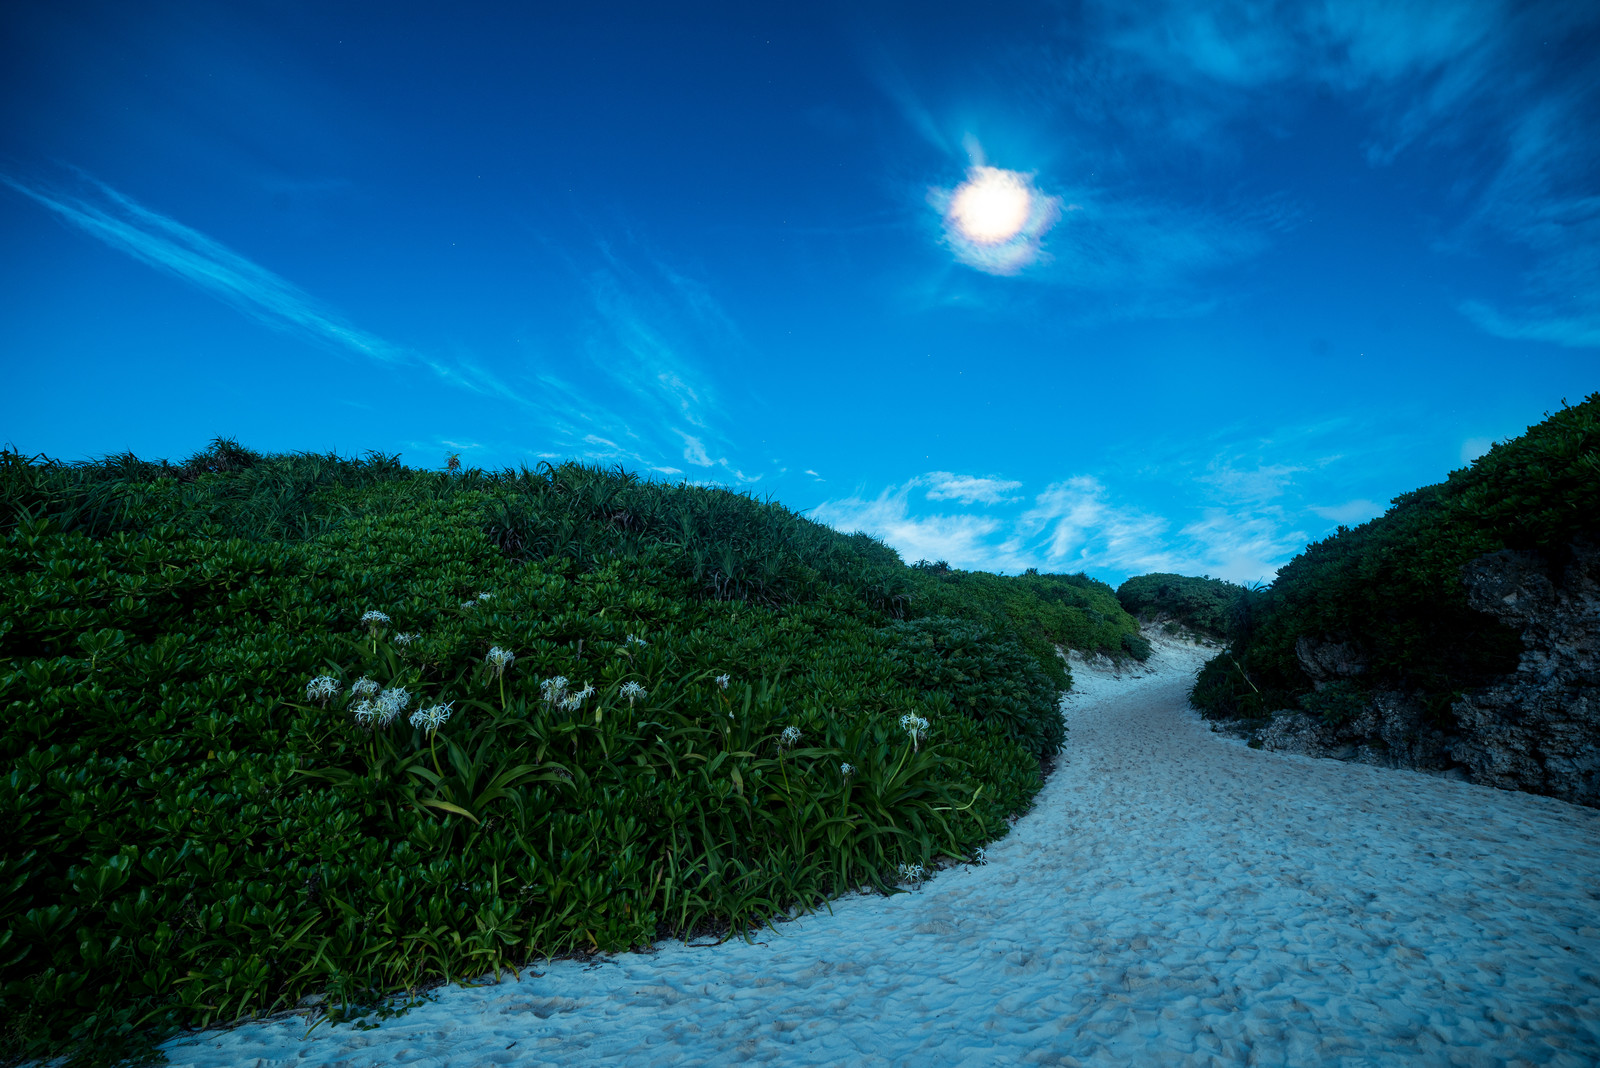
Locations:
column 722, row 680
column 632, row 640
column 380, row 711
column 374, row 617
column 912, row 873
column 405, row 639
column 556, row 693
column 847, row 770
column 322, row 688
column 789, row 738
column 980, row 856
column 431, row 719
column 363, row 687
column 915, row 726
column 500, row 658
column 634, row 692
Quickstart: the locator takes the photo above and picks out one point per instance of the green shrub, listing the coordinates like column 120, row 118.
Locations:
column 1203, row 605
column 1044, row 612
column 992, row 679
column 1392, row 588
column 197, row 833
column 1336, row 703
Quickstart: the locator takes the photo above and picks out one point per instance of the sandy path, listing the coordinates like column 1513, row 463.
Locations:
column 1175, row 898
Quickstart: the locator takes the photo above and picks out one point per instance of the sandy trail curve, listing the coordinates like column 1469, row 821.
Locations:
column 1175, row 898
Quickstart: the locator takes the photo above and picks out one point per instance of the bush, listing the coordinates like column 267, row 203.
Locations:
column 200, row 828
column 1392, row 588
column 1203, row 605
column 990, row 678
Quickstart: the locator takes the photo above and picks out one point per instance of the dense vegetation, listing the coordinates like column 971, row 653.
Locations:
column 290, row 726
column 1391, row 589
column 1205, row 606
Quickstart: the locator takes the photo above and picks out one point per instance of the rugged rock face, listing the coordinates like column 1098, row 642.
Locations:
column 1327, row 661
column 1539, row 728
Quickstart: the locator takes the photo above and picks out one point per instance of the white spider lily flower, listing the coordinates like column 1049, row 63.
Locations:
column 554, row 690
column 391, row 703
column 321, row 688
column 789, row 738
column 485, row 596
column 405, row 639
column 431, row 719
column 912, row 873
column 980, row 856
column 632, row 640
column 634, row 692
column 847, row 770
column 722, row 680
column 363, row 687
column 500, row 658
column 366, row 713
column 374, row 617
column 915, row 726
column 469, row 604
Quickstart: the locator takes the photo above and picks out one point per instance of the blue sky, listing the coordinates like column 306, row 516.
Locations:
column 1269, row 265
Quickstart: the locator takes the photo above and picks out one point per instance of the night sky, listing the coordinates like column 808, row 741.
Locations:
column 1115, row 287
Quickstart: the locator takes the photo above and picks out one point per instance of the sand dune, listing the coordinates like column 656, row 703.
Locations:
column 1175, row 898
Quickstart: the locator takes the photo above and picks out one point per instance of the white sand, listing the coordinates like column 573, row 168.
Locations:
column 1175, row 898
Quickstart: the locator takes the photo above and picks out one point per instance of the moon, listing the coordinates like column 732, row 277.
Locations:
column 991, row 206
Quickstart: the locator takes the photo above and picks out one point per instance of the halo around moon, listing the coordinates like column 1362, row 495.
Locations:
column 996, row 219
column 991, row 206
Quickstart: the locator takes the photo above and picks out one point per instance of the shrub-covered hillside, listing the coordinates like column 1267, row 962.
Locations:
column 1206, row 606
column 1390, row 595
column 280, row 726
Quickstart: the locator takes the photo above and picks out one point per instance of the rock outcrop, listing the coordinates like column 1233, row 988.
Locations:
column 1538, row 729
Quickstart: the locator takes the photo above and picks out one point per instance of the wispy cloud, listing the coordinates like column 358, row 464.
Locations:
column 961, row 540
column 660, row 389
column 168, row 245
column 944, row 486
column 1350, row 512
column 1073, row 524
column 1425, row 74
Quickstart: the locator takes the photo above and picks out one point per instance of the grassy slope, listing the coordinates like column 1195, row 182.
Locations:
column 197, row 837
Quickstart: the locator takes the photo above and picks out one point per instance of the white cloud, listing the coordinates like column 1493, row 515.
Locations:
column 1256, row 484
column 1084, row 528
column 961, row 540
column 694, row 450
column 1350, row 513
column 1075, row 524
column 967, row 489
column 1240, row 548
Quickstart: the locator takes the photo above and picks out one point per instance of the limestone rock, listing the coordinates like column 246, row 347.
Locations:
column 1538, row 729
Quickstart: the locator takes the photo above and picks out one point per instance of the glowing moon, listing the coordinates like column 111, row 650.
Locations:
column 991, row 206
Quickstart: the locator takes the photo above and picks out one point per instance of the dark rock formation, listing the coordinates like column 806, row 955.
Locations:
column 1328, row 661
column 1539, row 728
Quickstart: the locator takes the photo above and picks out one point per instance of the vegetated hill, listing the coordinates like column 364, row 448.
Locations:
column 290, row 725
column 1396, row 615
column 1205, row 606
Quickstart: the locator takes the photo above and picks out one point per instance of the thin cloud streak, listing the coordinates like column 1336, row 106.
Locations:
column 170, row 246
column 1074, row 524
column 651, row 373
